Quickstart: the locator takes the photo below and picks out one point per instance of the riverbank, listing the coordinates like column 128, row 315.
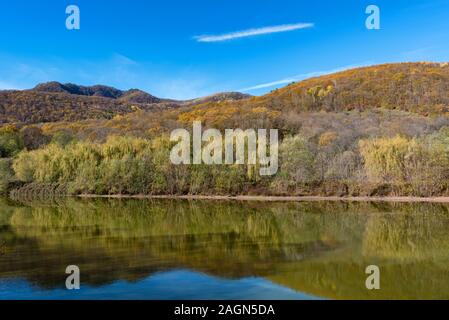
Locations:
column 278, row 198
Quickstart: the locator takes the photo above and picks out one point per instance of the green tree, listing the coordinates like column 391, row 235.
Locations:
column 11, row 141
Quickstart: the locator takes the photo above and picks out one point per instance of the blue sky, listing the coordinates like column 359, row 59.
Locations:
column 156, row 45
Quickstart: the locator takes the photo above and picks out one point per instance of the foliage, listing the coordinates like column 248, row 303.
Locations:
column 387, row 158
column 33, row 137
column 297, row 162
column 11, row 142
column 6, row 175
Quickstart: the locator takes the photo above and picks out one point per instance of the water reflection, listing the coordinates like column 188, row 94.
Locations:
column 295, row 249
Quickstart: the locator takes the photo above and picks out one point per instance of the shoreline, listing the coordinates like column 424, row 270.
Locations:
column 276, row 198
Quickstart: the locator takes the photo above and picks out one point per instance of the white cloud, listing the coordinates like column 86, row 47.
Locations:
column 282, row 81
column 253, row 32
column 299, row 77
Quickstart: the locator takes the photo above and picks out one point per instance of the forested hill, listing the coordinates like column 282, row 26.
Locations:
column 133, row 95
column 421, row 88
column 53, row 102
column 415, row 87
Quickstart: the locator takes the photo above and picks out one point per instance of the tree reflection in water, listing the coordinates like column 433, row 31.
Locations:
column 319, row 248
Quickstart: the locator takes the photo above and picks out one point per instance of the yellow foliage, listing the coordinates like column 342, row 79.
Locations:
column 327, row 139
column 386, row 158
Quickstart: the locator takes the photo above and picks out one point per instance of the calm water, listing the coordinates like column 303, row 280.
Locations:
column 167, row 249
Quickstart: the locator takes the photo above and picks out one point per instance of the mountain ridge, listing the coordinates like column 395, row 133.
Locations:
column 54, row 101
column 131, row 95
column 417, row 87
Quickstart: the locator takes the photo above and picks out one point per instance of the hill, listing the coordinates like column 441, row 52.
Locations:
column 418, row 88
column 54, row 101
column 415, row 87
column 219, row 97
column 421, row 88
column 131, row 96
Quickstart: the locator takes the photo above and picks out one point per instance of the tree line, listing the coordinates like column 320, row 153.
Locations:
column 323, row 165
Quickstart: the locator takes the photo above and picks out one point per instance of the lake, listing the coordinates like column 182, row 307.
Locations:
column 180, row 249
